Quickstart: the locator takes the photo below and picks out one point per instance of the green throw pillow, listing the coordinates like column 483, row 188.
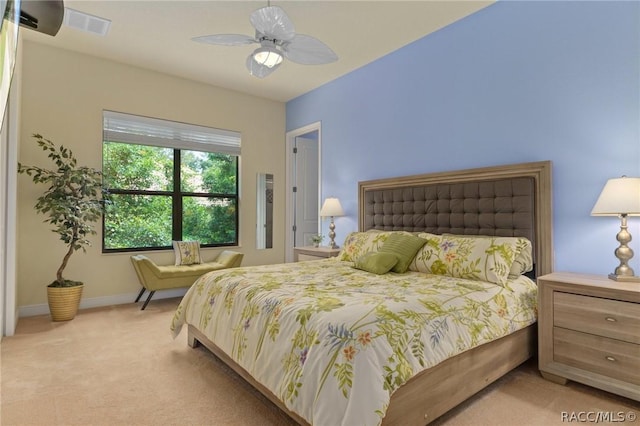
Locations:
column 405, row 246
column 376, row 262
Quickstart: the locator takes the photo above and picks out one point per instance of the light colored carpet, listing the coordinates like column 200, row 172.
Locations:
column 119, row 366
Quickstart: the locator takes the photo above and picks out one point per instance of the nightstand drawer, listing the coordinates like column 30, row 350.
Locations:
column 604, row 317
column 589, row 331
column 609, row 357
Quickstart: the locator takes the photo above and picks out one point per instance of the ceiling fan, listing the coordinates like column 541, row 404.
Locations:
column 278, row 40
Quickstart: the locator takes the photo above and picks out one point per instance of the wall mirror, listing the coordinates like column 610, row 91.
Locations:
column 264, row 207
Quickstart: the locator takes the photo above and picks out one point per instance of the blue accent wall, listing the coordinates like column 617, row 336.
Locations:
column 515, row 82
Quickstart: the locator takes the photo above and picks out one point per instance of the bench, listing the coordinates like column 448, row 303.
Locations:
column 153, row 277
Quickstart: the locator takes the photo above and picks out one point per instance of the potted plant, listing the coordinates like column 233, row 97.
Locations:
column 72, row 202
column 317, row 239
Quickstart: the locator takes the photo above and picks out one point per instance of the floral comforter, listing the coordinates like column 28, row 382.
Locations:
column 333, row 342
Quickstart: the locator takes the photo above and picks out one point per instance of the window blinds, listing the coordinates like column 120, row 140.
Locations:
column 136, row 129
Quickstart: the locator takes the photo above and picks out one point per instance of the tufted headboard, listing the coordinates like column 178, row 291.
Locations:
column 513, row 200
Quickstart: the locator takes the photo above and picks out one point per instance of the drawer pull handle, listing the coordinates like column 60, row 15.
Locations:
column 610, row 319
column 610, row 358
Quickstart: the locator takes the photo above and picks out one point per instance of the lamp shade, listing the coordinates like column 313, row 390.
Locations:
column 619, row 196
column 331, row 207
column 258, row 70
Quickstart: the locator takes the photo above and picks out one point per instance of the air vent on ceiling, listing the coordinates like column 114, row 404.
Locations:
column 85, row 22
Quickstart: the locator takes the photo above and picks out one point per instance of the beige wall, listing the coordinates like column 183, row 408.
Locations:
column 63, row 95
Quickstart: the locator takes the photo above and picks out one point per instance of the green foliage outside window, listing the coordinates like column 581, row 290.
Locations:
column 144, row 197
column 132, row 221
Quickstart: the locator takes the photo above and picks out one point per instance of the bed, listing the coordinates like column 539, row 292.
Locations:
column 331, row 342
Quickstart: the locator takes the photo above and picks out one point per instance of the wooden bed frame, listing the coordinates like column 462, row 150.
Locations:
column 436, row 390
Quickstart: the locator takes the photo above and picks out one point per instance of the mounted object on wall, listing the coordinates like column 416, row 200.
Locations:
column 43, row 16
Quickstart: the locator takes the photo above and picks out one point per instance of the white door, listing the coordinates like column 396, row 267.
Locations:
column 303, row 174
column 305, row 191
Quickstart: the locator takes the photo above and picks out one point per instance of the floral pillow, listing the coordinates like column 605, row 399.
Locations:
column 484, row 259
column 187, row 252
column 523, row 262
column 358, row 244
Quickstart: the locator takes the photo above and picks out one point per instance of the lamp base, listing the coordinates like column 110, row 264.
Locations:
column 332, row 234
column 624, row 278
column 624, row 273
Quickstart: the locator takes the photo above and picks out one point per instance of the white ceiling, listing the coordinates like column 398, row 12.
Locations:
column 157, row 35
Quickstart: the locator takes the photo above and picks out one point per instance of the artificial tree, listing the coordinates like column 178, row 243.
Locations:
column 72, row 202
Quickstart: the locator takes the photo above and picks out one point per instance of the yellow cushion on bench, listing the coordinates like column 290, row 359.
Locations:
column 154, row 277
column 196, row 269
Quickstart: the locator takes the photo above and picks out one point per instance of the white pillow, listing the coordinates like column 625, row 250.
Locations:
column 187, row 252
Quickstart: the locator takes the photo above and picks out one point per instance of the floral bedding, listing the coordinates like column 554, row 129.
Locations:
column 334, row 342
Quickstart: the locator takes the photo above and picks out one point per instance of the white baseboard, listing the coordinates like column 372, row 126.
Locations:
column 95, row 302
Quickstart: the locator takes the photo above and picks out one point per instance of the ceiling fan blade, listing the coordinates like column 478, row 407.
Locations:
column 258, row 70
column 307, row 50
column 226, row 39
column 273, row 22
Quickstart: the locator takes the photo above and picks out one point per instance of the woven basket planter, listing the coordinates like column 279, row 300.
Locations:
column 64, row 302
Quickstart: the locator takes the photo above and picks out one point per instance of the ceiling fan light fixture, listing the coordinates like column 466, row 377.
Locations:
column 277, row 37
column 267, row 56
column 259, row 70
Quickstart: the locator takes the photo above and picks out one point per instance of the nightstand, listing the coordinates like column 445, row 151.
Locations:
column 589, row 332
column 313, row 253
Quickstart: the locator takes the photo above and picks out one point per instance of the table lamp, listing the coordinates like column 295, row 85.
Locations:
column 331, row 207
column 620, row 197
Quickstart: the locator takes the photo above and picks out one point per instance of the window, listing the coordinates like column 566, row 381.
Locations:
column 168, row 181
